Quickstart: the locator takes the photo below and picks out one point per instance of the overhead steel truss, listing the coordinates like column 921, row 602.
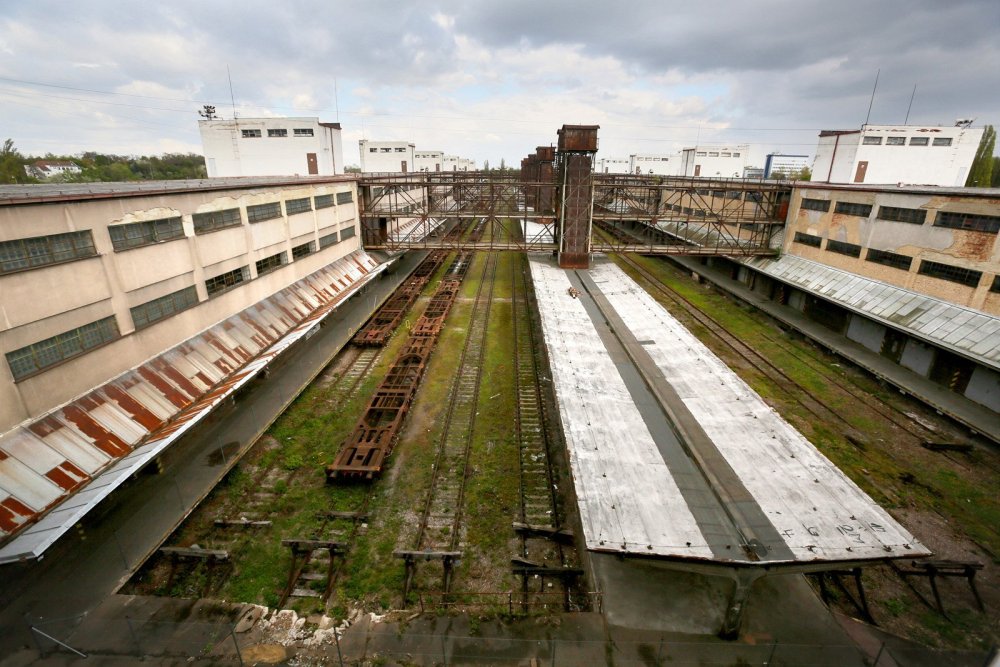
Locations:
column 643, row 214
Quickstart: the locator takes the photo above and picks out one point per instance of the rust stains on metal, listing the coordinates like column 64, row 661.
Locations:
column 365, row 452
column 44, row 462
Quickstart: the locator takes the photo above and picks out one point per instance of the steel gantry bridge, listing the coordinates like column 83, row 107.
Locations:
column 555, row 203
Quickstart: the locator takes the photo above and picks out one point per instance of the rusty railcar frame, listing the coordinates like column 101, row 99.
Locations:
column 364, row 454
column 376, row 332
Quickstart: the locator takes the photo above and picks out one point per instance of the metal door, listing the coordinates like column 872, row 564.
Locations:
column 402, row 166
column 859, row 175
column 311, row 161
column 697, row 170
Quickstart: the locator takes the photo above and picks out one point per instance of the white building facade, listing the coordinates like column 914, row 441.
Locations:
column 892, row 154
column 612, row 166
column 780, row 164
column 714, row 161
column 387, row 156
column 429, row 161
column 271, row 147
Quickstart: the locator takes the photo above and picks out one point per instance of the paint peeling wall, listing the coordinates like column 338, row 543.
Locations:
column 966, row 249
column 46, row 301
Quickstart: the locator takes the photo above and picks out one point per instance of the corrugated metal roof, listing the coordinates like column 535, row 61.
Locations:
column 88, row 447
column 965, row 331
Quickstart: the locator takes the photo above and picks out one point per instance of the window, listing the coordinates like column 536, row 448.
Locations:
column 402, row 150
column 948, row 272
column 259, row 212
column 736, row 154
column 36, row 357
column 302, row 250
column 153, row 311
column 251, row 134
column 895, row 141
column 346, row 233
column 277, row 133
column 323, row 201
column 895, row 260
column 713, row 154
column 970, row 221
column 872, row 141
column 918, row 141
column 995, row 285
column 213, row 220
column 842, row 248
column 724, row 154
column 345, row 197
column 302, row 132
column 942, row 141
column 373, row 150
column 271, row 263
column 328, row 240
column 816, row 204
column 808, row 239
column 915, row 216
column 734, row 194
column 38, row 251
column 385, row 150
column 135, row 234
column 700, row 154
column 293, row 206
column 850, row 208
column 227, row 280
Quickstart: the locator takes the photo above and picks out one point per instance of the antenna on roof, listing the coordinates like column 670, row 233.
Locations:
column 873, row 96
column 907, row 119
column 232, row 98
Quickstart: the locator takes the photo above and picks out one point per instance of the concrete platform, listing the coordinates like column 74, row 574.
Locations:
column 977, row 417
column 740, row 486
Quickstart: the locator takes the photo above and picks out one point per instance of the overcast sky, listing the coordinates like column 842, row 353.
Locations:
column 492, row 80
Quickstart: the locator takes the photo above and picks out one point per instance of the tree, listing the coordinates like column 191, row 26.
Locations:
column 995, row 179
column 486, row 165
column 981, row 173
column 12, row 165
column 503, row 165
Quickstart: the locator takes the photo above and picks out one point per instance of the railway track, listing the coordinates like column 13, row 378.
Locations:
column 546, row 545
column 439, row 533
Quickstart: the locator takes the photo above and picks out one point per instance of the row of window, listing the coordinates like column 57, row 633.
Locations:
column 872, row 140
column 34, row 358
column 917, row 216
column 278, row 133
column 39, row 251
column 715, row 154
column 955, row 274
column 38, row 356
column 31, row 253
column 386, row 150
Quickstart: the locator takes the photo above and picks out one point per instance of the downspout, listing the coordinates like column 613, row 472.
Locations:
column 836, row 140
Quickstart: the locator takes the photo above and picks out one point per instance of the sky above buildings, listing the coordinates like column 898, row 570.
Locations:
column 492, row 80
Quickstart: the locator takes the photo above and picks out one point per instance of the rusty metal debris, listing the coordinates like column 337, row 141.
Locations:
column 366, row 450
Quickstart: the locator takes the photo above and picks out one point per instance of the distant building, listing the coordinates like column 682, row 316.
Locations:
column 387, row 156
column 753, row 172
column 613, row 166
column 714, row 161
column 428, row 160
column 271, row 147
column 779, row 163
column 654, row 163
column 892, row 154
column 45, row 169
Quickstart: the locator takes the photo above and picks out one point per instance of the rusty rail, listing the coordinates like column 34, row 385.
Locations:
column 366, row 450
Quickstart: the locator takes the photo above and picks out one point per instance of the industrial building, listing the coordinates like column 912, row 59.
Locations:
column 271, row 147
column 187, row 294
column 177, row 286
column 897, row 154
column 779, row 164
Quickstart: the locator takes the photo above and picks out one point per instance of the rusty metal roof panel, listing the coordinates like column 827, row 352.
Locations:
column 56, row 468
column 965, row 331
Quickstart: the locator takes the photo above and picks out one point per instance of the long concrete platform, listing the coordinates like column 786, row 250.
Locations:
column 738, row 485
column 91, row 563
column 976, row 417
